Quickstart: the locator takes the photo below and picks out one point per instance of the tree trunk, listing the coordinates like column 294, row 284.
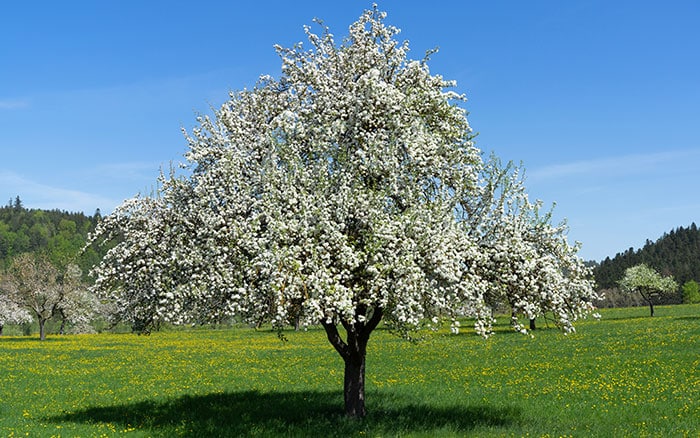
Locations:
column 354, row 384
column 533, row 326
column 648, row 298
column 354, row 352
column 42, row 330
column 1, row 326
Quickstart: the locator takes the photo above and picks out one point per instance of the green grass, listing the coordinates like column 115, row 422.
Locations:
column 626, row 375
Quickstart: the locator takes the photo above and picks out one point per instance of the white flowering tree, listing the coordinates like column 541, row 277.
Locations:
column 32, row 283
column 347, row 193
column 648, row 283
column 11, row 313
column 526, row 260
column 78, row 306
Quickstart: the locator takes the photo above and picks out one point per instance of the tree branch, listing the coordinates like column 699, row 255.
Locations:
column 374, row 320
column 349, row 328
column 336, row 341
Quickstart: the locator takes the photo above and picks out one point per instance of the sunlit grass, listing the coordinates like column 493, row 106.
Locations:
column 626, row 375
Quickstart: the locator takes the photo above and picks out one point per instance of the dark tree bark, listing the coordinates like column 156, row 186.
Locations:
column 42, row 329
column 353, row 350
column 354, row 383
column 649, row 299
column 533, row 326
column 651, row 305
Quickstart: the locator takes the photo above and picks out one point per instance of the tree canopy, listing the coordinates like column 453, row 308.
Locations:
column 346, row 193
column 648, row 283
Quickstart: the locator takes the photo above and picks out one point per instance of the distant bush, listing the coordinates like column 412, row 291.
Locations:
column 691, row 292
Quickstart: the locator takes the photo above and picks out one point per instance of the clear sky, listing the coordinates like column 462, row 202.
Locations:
column 600, row 100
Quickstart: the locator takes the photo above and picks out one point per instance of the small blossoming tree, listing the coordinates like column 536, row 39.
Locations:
column 347, row 193
column 648, row 283
column 33, row 284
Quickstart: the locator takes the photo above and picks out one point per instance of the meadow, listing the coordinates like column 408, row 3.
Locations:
column 625, row 375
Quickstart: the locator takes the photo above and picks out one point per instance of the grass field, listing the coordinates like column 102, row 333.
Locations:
column 626, row 375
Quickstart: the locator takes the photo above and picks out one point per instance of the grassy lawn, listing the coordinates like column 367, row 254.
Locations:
column 626, row 375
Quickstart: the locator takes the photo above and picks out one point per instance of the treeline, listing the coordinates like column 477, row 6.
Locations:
column 676, row 253
column 60, row 235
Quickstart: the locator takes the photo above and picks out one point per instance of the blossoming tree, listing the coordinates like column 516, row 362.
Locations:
column 648, row 283
column 32, row 283
column 78, row 306
column 346, row 193
column 524, row 256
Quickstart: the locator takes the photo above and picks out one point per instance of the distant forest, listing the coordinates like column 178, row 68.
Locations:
column 676, row 253
column 59, row 234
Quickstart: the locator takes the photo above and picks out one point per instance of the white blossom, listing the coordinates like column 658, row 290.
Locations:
column 11, row 313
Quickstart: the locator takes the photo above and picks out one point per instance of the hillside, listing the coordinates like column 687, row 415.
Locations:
column 675, row 253
column 59, row 234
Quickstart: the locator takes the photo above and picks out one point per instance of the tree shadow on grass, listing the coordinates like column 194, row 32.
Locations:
column 253, row 413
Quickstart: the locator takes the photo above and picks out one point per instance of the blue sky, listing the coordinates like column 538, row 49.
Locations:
column 600, row 100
